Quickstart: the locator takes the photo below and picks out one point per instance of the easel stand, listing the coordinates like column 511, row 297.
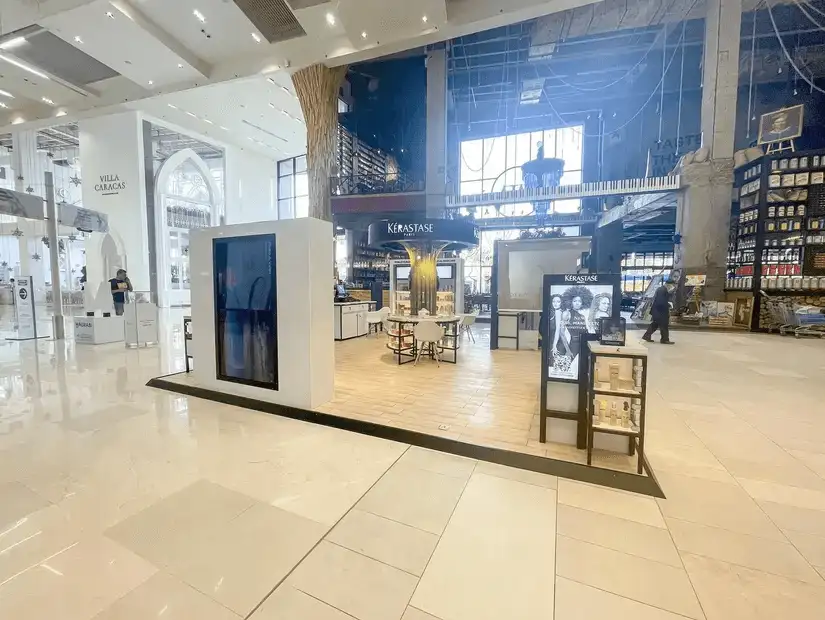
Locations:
column 780, row 147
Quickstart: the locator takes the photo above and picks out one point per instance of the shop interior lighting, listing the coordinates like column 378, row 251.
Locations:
column 110, row 15
column 151, row 82
column 24, row 66
column 180, row 66
column 61, row 113
column 199, row 16
column 424, row 19
column 78, row 40
column 11, row 43
column 256, row 37
column 3, row 105
column 330, row 19
column 364, row 35
column 6, row 94
column 172, row 105
column 47, row 100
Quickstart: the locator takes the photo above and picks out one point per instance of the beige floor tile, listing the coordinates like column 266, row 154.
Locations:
column 770, row 556
column 577, row 601
column 240, row 562
column 413, row 496
column 784, row 494
column 714, row 503
column 730, row 592
column 495, row 559
column 18, row 502
column 287, row 603
column 607, row 501
column 393, row 543
column 797, row 519
column 810, row 546
column 164, row 596
column 519, row 475
column 438, row 462
column 416, row 614
column 353, row 583
column 815, row 461
column 785, row 471
column 687, row 461
column 646, row 541
column 75, row 584
column 652, row 583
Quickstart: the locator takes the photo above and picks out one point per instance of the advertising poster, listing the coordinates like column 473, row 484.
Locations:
column 575, row 304
column 24, row 304
column 246, row 310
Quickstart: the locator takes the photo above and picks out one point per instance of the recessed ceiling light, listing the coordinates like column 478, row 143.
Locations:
column 61, row 113
column 15, row 42
column 224, row 128
column 6, row 94
column 330, row 19
column 256, row 37
column 78, row 40
column 424, row 19
column 286, row 90
column 24, row 66
column 110, row 15
column 18, row 120
column 284, row 112
column 151, row 82
column 172, row 105
column 192, row 115
column 206, row 120
column 180, row 66
column 270, row 80
column 364, row 35
column 272, row 105
column 3, row 105
column 199, row 16
column 47, row 100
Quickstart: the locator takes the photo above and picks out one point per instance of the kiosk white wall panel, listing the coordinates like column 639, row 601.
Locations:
column 306, row 355
column 250, row 187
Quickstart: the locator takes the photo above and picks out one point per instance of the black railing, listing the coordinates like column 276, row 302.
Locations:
column 366, row 184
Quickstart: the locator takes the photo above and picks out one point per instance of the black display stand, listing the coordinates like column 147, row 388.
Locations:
column 565, row 286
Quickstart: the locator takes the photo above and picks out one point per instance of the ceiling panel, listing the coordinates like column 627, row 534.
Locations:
column 384, row 21
column 273, row 18
column 58, row 58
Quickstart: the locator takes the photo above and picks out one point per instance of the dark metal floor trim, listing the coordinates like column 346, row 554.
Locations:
column 645, row 485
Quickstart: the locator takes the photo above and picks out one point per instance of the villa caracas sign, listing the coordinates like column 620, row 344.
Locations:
column 110, row 185
column 462, row 233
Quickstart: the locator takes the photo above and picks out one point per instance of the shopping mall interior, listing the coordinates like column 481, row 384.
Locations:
column 344, row 309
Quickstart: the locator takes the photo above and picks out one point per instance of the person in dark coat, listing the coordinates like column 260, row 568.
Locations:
column 660, row 313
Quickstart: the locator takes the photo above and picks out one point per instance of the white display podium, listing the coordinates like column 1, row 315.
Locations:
column 98, row 329
column 141, row 324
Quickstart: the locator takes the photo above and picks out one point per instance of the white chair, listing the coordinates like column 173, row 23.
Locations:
column 428, row 334
column 423, row 312
column 374, row 319
column 465, row 326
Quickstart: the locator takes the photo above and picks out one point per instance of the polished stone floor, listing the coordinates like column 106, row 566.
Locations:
column 121, row 502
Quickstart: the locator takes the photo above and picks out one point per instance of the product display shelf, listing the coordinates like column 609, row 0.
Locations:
column 617, row 406
column 777, row 242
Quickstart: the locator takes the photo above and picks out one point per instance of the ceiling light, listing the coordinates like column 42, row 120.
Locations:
column 78, row 40
column 192, row 115
column 270, row 80
column 272, row 105
column 180, row 66
column 110, row 15
column 224, row 128
column 61, row 113
column 47, row 100
column 15, row 42
column 424, row 19
column 284, row 112
column 330, row 19
column 206, row 120
column 3, row 105
column 151, row 82
column 172, row 105
column 18, row 120
column 256, row 37
column 199, row 16
column 364, row 35
column 24, row 66
column 286, row 90
column 6, row 94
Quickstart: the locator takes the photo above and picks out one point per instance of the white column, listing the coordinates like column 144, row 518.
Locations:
column 111, row 149
column 436, row 183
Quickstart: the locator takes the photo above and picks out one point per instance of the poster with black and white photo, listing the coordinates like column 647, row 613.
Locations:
column 574, row 305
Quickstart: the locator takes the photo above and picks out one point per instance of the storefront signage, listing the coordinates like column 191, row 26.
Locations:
column 391, row 234
column 110, row 185
column 24, row 304
column 83, row 219
column 21, row 205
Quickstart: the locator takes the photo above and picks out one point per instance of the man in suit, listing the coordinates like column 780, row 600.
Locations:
column 660, row 313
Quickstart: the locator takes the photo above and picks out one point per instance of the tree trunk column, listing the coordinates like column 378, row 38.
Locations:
column 317, row 90
column 423, row 276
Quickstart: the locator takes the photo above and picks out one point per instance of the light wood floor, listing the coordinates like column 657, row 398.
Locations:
column 489, row 398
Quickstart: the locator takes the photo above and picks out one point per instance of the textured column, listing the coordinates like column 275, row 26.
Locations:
column 436, row 182
column 317, row 90
column 703, row 212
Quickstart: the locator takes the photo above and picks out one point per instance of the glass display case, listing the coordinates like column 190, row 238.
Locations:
column 449, row 297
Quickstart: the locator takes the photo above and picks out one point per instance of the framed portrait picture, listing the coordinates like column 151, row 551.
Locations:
column 613, row 331
column 574, row 304
column 780, row 125
column 742, row 311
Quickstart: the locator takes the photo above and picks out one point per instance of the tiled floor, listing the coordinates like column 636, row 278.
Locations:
column 120, row 502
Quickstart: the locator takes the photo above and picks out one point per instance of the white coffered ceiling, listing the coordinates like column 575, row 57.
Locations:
column 210, row 59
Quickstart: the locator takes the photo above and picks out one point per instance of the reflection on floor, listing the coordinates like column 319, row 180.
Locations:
column 120, row 502
column 488, row 398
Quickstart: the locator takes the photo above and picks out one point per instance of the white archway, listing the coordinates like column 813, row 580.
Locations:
column 186, row 197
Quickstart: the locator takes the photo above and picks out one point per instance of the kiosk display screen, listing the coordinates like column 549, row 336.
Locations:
column 246, row 310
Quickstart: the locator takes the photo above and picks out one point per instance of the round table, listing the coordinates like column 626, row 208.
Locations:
column 402, row 342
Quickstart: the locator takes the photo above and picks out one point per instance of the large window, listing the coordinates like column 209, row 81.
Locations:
column 494, row 164
column 293, row 188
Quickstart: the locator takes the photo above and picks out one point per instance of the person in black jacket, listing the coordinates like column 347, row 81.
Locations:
column 660, row 313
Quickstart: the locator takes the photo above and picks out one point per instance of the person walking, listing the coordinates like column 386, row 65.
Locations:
column 660, row 313
column 120, row 285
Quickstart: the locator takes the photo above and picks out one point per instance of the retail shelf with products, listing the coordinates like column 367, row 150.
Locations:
column 617, row 385
column 777, row 240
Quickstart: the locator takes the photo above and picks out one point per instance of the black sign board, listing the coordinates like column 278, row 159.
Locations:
column 612, row 331
column 392, row 234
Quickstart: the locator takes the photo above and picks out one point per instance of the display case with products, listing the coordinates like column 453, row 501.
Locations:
column 449, row 297
column 777, row 217
column 617, row 385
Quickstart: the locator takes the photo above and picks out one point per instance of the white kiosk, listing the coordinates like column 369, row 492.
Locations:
column 261, row 311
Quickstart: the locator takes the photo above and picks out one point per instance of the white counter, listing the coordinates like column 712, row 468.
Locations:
column 350, row 319
column 98, row 329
